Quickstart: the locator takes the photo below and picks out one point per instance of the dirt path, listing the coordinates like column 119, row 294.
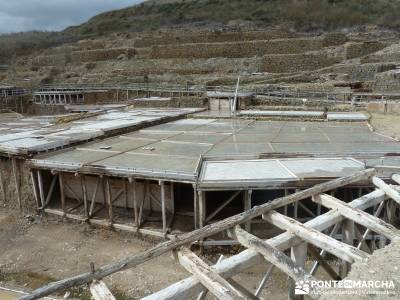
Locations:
column 386, row 124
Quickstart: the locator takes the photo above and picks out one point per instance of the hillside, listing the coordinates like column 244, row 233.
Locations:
column 300, row 15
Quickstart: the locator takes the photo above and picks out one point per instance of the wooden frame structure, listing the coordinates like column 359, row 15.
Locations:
column 320, row 232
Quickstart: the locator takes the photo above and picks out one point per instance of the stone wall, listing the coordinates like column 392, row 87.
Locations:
column 174, row 102
column 384, row 107
column 102, row 55
column 233, row 50
column 359, row 72
column 209, row 37
column 354, row 50
column 287, row 63
column 387, row 82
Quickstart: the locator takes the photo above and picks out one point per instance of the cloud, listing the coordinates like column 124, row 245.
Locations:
column 24, row 15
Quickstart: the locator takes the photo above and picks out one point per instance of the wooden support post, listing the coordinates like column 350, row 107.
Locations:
column 109, row 201
column 62, row 192
column 217, row 285
column 3, row 184
column 359, row 216
column 172, row 197
column 93, row 201
column 99, row 291
column 34, row 186
column 195, row 207
column 247, row 206
column 17, row 181
column 341, row 250
column 315, row 254
column 125, row 188
column 298, row 254
column 202, row 208
column 163, row 208
column 135, row 206
column 292, row 268
column 392, row 193
column 41, row 188
column 348, row 238
column 84, row 195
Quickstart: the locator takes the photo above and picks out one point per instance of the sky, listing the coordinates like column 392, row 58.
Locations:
column 25, row 15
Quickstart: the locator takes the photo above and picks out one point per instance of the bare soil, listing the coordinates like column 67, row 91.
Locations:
column 35, row 251
column 386, row 124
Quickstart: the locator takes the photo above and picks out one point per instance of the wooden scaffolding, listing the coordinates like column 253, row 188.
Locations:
column 358, row 221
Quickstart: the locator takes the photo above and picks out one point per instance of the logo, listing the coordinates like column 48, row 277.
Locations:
column 302, row 288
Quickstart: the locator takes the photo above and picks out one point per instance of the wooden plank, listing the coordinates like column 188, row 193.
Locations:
column 313, row 236
column 348, row 238
column 392, row 193
column 202, row 208
column 3, row 184
column 135, row 204
column 359, row 216
column 41, row 188
column 272, row 254
column 62, row 192
column 93, row 201
column 217, row 285
column 247, row 205
column 109, row 201
column 100, row 291
column 233, row 265
column 84, row 195
column 209, row 230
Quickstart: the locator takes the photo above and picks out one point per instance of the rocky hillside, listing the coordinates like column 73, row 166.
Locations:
column 299, row 15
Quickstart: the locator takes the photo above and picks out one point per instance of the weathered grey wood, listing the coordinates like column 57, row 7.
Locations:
column 135, row 204
column 306, row 209
column 50, row 192
column 313, row 236
column 233, row 265
column 225, row 203
column 41, row 188
column 203, row 294
column 3, row 184
column 247, row 205
column 329, row 270
column 359, row 216
column 392, row 193
column 93, row 201
column 125, row 188
column 202, row 208
column 62, row 192
column 298, row 254
column 77, row 197
column 217, row 285
column 348, row 238
column 84, row 195
column 195, row 208
column 246, row 293
column 362, row 245
column 34, row 186
column 109, row 200
column 17, row 181
column 136, row 259
column 272, row 254
column 376, row 213
column 99, row 291
column 163, row 209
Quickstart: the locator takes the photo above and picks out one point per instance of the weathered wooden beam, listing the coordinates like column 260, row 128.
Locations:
column 247, row 205
column 231, row 266
column 41, row 188
column 313, row 236
column 50, row 192
column 202, row 208
column 34, row 186
column 359, row 216
column 217, row 285
column 135, row 204
column 100, row 291
column 298, row 254
column 163, row 208
column 93, row 201
column 136, row 259
column 3, row 183
column 109, row 201
column 272, row 254
column 392, row 193
column 264, row 280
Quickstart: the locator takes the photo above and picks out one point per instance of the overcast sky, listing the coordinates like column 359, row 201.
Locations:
column 24, row 15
